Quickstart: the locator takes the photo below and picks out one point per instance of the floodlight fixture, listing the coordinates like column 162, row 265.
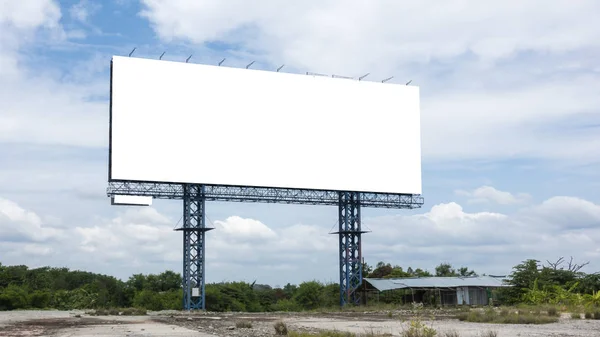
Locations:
column 278, row 69
column 407, row 83
column 339, row 76
column 249, row 64
column 387, row 79
column 161, row 55
column 223, row 60
column 132, row 51
column 187, row 59
column 363, row 76
column 315, row 74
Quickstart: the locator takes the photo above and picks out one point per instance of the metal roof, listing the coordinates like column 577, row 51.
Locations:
column 383, row 284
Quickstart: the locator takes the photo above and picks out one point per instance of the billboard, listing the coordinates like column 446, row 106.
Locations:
column 191, row 123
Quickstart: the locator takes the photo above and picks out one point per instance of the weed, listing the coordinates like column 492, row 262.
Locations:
column 489, row 333
column 552, row 311
column 575, row 315
column 596, row 314
column 418, row 329
column 451, row 333
column 280, row 328
column 588, row 315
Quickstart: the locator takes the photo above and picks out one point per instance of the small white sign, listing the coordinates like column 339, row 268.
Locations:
column 195, row 292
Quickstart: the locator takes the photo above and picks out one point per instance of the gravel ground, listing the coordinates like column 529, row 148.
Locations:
column 175, row 323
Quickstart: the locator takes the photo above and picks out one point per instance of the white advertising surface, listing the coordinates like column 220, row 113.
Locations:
column 191, row 123
column 131, row 200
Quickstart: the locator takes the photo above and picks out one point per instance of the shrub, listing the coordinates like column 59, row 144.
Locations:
column 280, row 328
column 552, row 311
column 588, row 315
column 575, row 315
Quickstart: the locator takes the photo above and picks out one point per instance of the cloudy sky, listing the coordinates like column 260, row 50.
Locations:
column 510, row 97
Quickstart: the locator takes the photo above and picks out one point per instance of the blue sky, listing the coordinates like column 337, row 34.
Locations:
column 510, row 120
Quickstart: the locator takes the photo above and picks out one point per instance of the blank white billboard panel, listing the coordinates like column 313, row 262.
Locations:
column 191, row 123
column 131, row 200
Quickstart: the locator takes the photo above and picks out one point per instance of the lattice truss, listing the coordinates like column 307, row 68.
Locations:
column 194, row 227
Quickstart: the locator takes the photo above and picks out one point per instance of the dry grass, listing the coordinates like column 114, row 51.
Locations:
column 507, row 317
column 489, row 333
column 243, row 325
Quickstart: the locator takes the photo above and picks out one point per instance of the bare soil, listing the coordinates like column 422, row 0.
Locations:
column 176, row 323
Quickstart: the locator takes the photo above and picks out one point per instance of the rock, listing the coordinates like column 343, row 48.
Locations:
column 230, row 328
column 189, row 318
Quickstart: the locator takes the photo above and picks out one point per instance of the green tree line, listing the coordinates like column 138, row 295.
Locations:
column 559, row 282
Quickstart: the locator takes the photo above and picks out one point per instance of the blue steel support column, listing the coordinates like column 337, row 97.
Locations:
column 350, row 247
column 194, row 236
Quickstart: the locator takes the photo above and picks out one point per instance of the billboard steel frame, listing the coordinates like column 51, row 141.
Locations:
column 194, row 198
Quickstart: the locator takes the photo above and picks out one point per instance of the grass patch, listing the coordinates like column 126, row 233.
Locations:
column 243, row 325
column 519, row 317
column 575, row 315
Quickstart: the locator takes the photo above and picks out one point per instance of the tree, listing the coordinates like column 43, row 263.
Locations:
column 445, row 269
column 308, row 295
column 366, row 270
column 381, row 270
column 464, row 271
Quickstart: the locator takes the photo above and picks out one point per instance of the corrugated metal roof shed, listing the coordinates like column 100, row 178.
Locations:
column 435, row 282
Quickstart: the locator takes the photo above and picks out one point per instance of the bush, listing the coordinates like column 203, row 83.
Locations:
column 575, row 315
column 552, row 311
column 280, row 328
column 588, row 315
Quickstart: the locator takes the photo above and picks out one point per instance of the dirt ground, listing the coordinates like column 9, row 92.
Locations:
column 174, row 323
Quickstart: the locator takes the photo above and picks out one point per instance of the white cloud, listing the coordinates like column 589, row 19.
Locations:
column 44, row 106
column 487, row 194
column 82, row 10
column 20, row 225
column 245, row 229
column 143, row 240
column 497, row 80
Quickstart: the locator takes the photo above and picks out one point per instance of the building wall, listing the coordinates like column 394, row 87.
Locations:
column 472, row 296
